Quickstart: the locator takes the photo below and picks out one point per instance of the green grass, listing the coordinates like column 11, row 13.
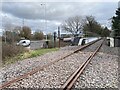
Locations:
column 41, row 52
column 30, row 54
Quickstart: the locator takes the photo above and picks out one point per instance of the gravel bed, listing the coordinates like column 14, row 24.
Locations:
column 69, row 48
column 102, row 72
column 119, row 67
column 21, row 67
column 55, row 75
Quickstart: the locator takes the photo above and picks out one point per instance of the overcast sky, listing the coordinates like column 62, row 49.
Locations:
column 48, row 16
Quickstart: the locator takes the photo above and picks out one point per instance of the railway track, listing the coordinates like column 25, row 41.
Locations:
column 18, row 78
column 72, row 79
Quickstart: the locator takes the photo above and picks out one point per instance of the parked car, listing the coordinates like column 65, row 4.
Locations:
column 24, row 43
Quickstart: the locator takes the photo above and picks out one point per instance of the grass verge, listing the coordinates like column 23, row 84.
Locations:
column 25, row 55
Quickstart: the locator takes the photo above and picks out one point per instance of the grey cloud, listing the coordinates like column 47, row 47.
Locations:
column 55, row 11
column 24, row 10
column 34, row 13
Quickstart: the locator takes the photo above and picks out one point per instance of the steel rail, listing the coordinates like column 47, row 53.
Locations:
column 70, row 82
column 18, row 78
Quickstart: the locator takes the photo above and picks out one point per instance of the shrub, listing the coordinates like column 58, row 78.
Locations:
column 10, row 50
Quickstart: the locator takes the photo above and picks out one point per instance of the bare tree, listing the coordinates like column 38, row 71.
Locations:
column 16, row 32
column 94, row 28
column 73, row 25
column 8, row 32
column 38, row 35
column 26, row 32
column 90, row 22
column 17, row 29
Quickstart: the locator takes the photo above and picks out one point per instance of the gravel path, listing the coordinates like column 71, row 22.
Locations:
column 102, row 72
column 55, row 75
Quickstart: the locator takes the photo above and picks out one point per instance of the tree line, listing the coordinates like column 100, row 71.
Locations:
column 116, row 24
column 76, row 25
column 17, row 33
column 88, row 26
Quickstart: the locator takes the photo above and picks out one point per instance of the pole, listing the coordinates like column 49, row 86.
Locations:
column 59, row 35
column 5, row 36
column 54, row 39
column 45, row 21
column 23, row 22
column 12, row 37
column 5, row 31
column 45, row 18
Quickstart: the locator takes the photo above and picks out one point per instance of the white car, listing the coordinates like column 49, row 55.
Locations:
column 24, row 43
